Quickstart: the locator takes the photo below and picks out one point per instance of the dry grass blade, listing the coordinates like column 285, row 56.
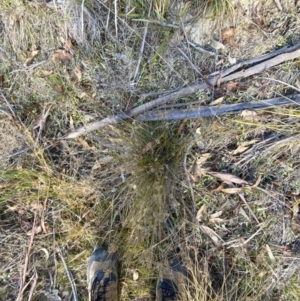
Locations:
column 136, row 74
column 278, row 4
column 69, row 274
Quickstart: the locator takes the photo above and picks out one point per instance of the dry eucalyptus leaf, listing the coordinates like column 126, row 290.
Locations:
column 59, row 89
column 135, row 276
column 217, row 45
column 68, row 45
column 217, row 220
column 216, row 214
column 212, row 234
column 218, row 188
column 82, row 95
column 227, row 177
column 227, row 36
column 62, row 55
column 46, row 72
column 36, row 206
column 231, row 60
column 240, row 150
column 202, row 159
column 244, row 146
column 217, row 101
column 36, row 230
column 231, row 87
column 147, row 147
column 232, row 190
column 31, row 57
column 244, row 214
column 198, row 171
column 249, row 115
column 78, row 73
column 257, row 182
column 201, row 212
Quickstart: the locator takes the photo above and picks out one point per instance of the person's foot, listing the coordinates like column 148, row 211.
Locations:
column 102, row 276
column 167, row 288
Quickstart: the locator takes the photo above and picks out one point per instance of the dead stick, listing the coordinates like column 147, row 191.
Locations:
column 257, row 59
column 184, row 92
column 210, row 111
column 263, row 66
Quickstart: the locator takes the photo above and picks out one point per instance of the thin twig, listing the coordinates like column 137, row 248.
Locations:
column 242, row 197
column 157, row 22
column 40, row 122
column 28, row 68
column 281, row 82
column 33, row 285
column 69, row 274
column 259, row 151
column 190, row 62
column 7, row 103
column 27, row 284
column 252, row 236
column 21, row 290
column 6, row 113
column 197, row 47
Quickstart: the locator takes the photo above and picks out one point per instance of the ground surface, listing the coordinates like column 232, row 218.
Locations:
column 222, row 193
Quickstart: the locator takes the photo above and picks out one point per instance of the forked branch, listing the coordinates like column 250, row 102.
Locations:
column 142, row 112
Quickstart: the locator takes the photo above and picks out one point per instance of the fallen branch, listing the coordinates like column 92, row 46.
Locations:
column 257, row 59
column 267, row 61
column 217, row 110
